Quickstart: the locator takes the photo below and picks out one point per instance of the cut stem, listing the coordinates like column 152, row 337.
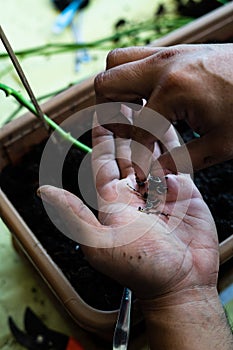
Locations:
column 24, row 102
column 157, row 28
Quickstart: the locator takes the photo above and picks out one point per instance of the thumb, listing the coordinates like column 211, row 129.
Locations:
column 81, row 224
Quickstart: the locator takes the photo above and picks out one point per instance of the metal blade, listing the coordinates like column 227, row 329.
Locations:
column 21, row 74
column 21, row 337
column 121, row 334
column 36, row 328
column 33, row 325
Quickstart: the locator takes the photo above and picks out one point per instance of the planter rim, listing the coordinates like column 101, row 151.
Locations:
column 27, row 127
column 217, row 24
column 49, row 271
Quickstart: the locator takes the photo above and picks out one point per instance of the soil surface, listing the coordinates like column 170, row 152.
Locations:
column 196, row 9
column 215, row 185
column 20, row 183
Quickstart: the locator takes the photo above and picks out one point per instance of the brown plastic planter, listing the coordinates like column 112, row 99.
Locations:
column 17, row 138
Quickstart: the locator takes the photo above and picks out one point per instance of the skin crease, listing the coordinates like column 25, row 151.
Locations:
column 172, row 264
column 190, row 82
column 174, row 274
column 193, row 262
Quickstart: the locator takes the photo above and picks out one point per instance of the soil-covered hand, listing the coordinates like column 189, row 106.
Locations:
column 173, row 248
column 189, row 82
column 169, row 258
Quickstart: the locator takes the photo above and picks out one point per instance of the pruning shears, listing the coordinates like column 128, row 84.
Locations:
column 38, row 336
column 122, row 329
column 67, row 15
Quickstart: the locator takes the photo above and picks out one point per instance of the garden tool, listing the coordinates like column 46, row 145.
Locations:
column 65, row 18
column 24, row 80
column 122, row 329
column 39, row 337
column 82, row 55
column 21, row 74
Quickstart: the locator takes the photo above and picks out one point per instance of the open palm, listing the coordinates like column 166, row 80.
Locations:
column 174, row 248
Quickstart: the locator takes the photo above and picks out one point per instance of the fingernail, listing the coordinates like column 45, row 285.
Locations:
column 42, row 191
column 38, row 192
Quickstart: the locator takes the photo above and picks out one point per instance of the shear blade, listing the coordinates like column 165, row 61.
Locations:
column 37, row 336
column 21, row 337
column 33, row 325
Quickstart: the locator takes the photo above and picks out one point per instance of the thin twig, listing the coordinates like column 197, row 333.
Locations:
column 24, row 102
column 159, row 27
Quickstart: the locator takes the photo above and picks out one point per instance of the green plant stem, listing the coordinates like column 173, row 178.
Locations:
column 40, row 98
column 65, row 135
column 6, row 71
column 12, row 115
column 163, row 24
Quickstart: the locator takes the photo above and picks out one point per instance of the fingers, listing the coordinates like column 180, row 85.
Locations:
column 82, row 225
column 77, row 222
column 150, row 126
column 111, row 158
column 131, row 83
column 67, row 203
column 167, row 79
column 134, row 73
column 210, row 149
column 120, row 56
column 184, row 203
column 123, row 153
column 169, row 140
column 134, row 80
column 104, row 165
column 145, row 150
column 180, row 187
column 142, row 149
column 123, row 157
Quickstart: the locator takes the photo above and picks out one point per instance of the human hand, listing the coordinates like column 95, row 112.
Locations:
column 169, row 258
column 157, row 254
column 189, row 82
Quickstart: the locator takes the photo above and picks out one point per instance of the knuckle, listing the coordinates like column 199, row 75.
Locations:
column 170, row 74
column 112, row 57
column 170, row 52
column 99, row 83
column 172, row 81
column 173, row 78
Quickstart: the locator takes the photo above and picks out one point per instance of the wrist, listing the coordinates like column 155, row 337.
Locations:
column 189, row 319
column 179, row 299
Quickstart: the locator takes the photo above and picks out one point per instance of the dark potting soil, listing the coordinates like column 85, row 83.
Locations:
column 215, row 185
column 20, row 183
column 196, row 9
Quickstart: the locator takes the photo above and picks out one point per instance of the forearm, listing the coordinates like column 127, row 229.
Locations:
column 196, row 322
